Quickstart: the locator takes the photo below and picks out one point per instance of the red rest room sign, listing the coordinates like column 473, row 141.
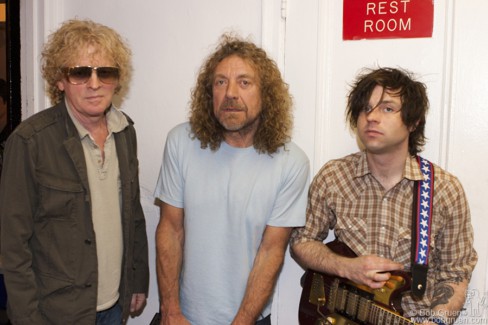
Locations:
column 369, row 19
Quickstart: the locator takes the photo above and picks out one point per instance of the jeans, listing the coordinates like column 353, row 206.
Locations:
column 111, row 316
column 265, row 321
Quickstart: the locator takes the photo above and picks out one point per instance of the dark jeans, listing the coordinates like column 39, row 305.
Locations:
column 265, row 321
column 111, row 316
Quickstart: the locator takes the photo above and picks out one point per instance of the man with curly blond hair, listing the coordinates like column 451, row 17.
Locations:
column 73, row 233
column 231, row 187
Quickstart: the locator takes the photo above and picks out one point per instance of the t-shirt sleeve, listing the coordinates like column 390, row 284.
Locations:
column 170, row 186
column 291, row 201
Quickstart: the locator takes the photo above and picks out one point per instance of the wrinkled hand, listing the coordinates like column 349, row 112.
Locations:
column 371, row 270
column 176, row 319
column 137, row 303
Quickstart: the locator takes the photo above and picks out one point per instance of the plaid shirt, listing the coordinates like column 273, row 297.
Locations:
column 345, row 197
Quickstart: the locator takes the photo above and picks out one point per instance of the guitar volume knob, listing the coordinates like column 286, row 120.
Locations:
column 325, row 321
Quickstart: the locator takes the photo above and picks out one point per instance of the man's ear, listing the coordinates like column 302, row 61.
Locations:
column 60, row 85
column 413, row 127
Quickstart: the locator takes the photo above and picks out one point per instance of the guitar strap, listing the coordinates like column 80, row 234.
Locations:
column 423, row 195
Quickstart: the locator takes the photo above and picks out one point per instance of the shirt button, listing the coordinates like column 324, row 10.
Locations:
column 88, row 241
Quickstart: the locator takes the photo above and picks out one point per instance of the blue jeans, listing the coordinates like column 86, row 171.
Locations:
column 265, row 321
column 111, row 316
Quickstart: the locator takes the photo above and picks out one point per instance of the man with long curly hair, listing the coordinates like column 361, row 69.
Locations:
column 232, row 186
column 73, row 233
column 371, row 198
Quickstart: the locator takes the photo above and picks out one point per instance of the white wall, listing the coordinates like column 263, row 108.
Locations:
column 170, row 39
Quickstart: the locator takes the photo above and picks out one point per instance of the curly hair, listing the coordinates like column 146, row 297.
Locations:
column 413, row 94
column 276, row 120
column 65, row 45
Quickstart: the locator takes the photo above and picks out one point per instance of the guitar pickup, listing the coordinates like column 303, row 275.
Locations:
column 317, row 291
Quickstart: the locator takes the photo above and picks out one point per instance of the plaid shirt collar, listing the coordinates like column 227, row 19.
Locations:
column 411, row 172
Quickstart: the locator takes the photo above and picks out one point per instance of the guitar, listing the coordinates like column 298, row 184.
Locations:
column 329, row 300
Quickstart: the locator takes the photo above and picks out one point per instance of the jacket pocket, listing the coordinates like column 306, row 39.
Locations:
column 58, row 196
column 58, row 227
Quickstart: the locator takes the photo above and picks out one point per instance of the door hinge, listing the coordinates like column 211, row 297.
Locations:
column 284, row 4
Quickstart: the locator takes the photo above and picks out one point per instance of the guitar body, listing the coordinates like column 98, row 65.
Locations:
column 331, row 300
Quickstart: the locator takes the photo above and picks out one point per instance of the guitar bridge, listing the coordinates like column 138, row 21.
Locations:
column 317, row 291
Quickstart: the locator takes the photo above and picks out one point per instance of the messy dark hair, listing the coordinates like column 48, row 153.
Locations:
column 275, row 121
column 64, row 46
column 412, row 93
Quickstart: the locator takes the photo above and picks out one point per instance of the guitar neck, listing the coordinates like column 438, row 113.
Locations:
column 350, row 302
column 381, row 315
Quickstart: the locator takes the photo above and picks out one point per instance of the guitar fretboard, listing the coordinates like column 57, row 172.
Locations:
column 380, row 315
column 357, row 305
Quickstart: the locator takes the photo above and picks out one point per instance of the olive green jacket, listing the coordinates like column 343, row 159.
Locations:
column 48, row 243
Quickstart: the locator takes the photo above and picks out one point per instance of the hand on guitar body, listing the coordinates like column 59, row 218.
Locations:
column 370, row 270
column 337, row 259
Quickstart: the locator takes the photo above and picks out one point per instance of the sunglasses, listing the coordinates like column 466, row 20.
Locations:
column 81, row 75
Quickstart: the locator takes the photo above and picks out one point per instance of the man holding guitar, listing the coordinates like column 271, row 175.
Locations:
column 367, row 198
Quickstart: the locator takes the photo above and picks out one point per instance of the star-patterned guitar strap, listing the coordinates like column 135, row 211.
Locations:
column 421, row 225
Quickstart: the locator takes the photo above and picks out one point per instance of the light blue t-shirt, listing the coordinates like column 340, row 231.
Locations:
column 228, row 196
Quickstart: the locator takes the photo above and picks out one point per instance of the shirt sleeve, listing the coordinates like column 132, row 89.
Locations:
column 317, row 225
column 454, row 241
column 18, row 201
column 289, row 209
column 170, row 185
